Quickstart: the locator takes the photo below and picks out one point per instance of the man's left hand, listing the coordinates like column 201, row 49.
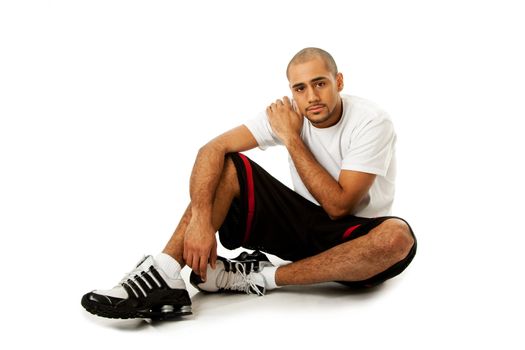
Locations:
column 286, row 123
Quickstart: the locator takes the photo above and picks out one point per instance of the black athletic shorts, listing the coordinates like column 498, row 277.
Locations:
column 270, row 217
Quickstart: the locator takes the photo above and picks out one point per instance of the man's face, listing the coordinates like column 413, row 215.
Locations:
column 315, row 90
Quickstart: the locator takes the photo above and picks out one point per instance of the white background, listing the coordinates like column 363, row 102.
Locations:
column 104, row 104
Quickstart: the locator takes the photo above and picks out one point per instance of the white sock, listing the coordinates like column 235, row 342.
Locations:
column 169, row 265
column 269, row 277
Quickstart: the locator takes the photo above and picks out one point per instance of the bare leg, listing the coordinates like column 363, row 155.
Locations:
column 227, row 189
column 355, row 260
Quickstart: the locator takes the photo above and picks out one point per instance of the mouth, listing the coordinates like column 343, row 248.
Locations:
column 315, row 108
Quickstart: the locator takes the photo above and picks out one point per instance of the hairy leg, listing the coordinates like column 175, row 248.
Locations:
column 355, row 260
column 227, row 189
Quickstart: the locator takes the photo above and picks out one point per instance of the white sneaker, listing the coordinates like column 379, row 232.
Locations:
column 145, row 292
column 241, row 274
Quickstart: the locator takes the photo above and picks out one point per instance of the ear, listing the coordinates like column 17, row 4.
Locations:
column 340, row 82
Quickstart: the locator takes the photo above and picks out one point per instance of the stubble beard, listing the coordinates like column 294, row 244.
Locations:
column 319, row 119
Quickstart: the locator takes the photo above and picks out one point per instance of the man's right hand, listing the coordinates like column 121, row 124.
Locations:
column 200, row 246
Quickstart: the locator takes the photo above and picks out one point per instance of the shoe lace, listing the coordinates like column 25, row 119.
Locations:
column 239, row 280
column 130, row 275
column 133, row 275
column 137, row 271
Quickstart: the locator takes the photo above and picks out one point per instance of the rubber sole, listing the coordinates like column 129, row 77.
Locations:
column 158, row 313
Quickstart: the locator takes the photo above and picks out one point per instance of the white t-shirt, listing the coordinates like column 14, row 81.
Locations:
column 363, row 140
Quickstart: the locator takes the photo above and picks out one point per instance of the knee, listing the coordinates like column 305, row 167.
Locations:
column 229, row 171
column 394, row 239
column 229, row 176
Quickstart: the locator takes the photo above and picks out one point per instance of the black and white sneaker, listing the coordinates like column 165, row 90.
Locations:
column 241, row 274
column 145, row 292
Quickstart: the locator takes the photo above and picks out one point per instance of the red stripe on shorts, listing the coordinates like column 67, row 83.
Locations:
column 250, row 196
column 349, row 231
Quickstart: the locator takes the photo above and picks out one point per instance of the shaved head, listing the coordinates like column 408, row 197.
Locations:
column 311, row 53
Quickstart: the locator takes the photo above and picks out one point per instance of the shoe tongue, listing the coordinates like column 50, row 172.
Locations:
column 145, row 263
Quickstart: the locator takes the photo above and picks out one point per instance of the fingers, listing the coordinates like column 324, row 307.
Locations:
column 291, row 104
column 186, row 255
column 199, row 265
column 294, row 106
column 203, row 267
column 197, row 262
column 274, row 106
column 278, row 104
column 285, row 102
column 213, row 256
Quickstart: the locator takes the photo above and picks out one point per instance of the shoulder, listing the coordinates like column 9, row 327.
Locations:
column 361, row 114
column 360, row 109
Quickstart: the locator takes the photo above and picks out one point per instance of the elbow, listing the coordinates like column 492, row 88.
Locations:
column 335, row 217
column 211, row 147
column 207, row 147
column 336, row 213
column 338, row 210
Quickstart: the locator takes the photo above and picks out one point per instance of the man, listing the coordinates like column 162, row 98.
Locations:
column 334, row 227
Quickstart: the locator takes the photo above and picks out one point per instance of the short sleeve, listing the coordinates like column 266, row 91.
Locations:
column 371, row 148
column 262, row 131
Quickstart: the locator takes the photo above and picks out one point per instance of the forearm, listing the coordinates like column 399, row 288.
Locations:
column 204, row 180
column 323, row 187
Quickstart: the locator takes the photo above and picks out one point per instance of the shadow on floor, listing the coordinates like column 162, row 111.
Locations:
column 290, row 298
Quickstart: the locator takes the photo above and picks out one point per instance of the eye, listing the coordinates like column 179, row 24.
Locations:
column 299, row 89
column 321, row 84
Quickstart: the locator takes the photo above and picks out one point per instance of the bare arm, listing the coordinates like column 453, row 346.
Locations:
column 209, row 165
column 199, row 243
column 337, row 197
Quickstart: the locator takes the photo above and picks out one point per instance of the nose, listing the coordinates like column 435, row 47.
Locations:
column 312, row 95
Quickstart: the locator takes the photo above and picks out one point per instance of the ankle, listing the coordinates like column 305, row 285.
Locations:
column 169, row 265
column 269, row 273
column 177, row 257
